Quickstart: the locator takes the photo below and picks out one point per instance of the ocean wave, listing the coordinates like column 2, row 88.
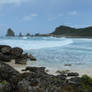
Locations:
column 36, row 44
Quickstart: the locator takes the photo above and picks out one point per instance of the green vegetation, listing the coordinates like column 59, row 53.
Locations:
column 73, row 32
column 86, row 83
column 4, row 82
column 28, row 34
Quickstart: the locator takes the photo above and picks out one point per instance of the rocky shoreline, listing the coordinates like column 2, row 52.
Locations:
column 36, row 79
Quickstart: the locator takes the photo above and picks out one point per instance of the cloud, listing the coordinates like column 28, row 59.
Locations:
column 73, row 13
column 52, row 18
column 2, row 2
column 56, row 17
column 29, row 17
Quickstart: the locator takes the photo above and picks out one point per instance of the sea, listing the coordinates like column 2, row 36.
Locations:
column 54, row 52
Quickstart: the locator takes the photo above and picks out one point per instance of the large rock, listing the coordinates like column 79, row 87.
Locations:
column 16, row 51
column 32, row 58
column 35, row 69
column 6, row 50
column 5, row 87
column 2, row 46
column 74, row 81
column 22, row 59
column 73, row 74
column 5, row 58
column 24, row 86
column 7, row 72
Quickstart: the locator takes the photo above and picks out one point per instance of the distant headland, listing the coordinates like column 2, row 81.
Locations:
column 61, row 31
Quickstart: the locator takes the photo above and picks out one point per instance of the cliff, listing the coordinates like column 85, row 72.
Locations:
column 72, row 32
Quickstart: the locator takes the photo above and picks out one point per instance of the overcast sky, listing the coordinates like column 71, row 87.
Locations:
column 43, row 16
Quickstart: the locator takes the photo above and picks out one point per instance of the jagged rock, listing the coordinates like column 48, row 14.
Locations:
column 7, row 72
column 22, row 59
column 74, row 81
column 35, row 69
column 10, row 32
column 73, row 74
column 16, row 51
column 31, row 57
column 2, row 46
column 5, row 87
column 6, row 50
column 24, row 86
column 5, row 58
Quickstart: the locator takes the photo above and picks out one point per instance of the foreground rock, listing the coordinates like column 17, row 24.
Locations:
column 37, row 80
column 8, row 53
column 31, row 57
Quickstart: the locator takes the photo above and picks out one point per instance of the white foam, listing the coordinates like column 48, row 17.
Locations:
column 36, row 44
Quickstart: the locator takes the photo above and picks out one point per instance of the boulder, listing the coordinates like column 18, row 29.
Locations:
column 74, row 81
column 7, row 72
column 32, row 58
column 72, row 74
column 16, row 51
column 35, row 69
column 5, row 86
column 24, row 86
column 22, row 59
column 6, row 50
column 5, row 58
column 2, row 46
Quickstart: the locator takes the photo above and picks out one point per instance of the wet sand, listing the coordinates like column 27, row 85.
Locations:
column 79, row 70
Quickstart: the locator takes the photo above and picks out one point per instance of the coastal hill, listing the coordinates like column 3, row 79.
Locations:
column 60, row 31
column 72, row 32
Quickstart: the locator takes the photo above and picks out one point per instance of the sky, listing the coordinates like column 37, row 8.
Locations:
column 43, row 16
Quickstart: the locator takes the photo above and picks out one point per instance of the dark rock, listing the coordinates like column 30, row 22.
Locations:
column 68, row 65
column 7, row 72
column 73, row 74
column 5, row 87
column 2, row 46
column 31, row 57
column 24, row 86
column 62, row 77
column 16, row 51
column 74, row 81
column 10, row 32
column 35, row 69
column 5, row 58
column 22, row 59
column 6, row 50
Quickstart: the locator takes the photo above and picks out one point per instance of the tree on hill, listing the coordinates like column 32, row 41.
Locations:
column 73, row 32
column 10, row 32
column 28, row 34
column 20, row 34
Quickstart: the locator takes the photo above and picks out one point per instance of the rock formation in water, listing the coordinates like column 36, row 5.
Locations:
column 28, row 34
column 8, row 53
column 20, row 34
column 10, row 32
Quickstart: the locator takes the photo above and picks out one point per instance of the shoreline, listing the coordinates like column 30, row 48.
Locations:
column 81, row 71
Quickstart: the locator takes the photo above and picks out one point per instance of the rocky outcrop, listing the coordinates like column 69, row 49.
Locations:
column 67, row 31
column 10, row 33
column 8, row 53
column 37, row 80
column 32, row 58
column 17, row 52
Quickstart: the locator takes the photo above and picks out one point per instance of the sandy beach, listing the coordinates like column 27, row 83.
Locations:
column 81, row 71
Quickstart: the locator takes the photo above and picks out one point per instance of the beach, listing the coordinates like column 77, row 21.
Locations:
column 53, row 53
